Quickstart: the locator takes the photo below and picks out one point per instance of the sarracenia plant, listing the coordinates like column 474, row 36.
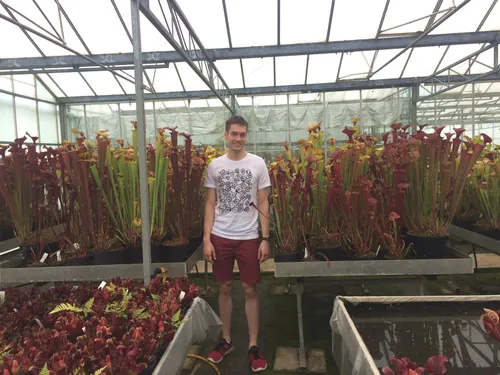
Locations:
column 123, row 197
column 188, row 167
column 437, row 174
column 321, row 190
column 287, row 212
column 91, row 228
column 486, row 182
column 31, row 189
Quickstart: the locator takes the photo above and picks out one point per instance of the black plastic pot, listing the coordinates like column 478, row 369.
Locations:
column 195, row 242
column 492, row 233
column 332, row 253
column 108, row 257
column 465, row 224
column 6, row 233
column 286, row 257
column 160, row 253
column 132, row 255
column 80, row 261
column 428, row 246
column 180, row 253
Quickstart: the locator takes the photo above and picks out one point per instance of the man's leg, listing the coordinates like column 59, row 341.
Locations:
column 223, row 275
column 248, row 263
column 226, row 308
column 252, row 312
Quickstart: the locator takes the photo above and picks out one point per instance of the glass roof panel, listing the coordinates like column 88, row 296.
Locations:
column 16, row 45
column 455, row 53
column 231, row 72
column 244, row 15
column 401, row 12
column 52, row 86
column 6, row 83
column 212, row 34
column 423, row 62
column 466, row 19
column 258, row 72
column 313, row 18
column 290, row 70
column 356, row 65
column 103, row 83
column 190, row 78
column 95, row 18
column 128, row 86
column 72, row 84
column 485, row 58
column 349, row 23
column 394, row 69
column 24, row 84
column 323, row 68
column 165, row 79
column 493, row 21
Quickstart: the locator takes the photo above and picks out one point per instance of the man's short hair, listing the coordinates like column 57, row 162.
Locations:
column 236, row 120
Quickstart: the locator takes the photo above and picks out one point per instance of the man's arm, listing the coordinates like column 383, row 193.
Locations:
column 209, row 213
column 208, row 247
column 263, row 202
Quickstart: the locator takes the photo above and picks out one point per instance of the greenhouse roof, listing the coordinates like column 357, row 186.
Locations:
column 248, row 48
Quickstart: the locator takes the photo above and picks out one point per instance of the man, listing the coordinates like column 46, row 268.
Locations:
column 237, row 195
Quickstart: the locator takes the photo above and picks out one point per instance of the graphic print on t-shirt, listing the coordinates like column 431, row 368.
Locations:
column 235, row 186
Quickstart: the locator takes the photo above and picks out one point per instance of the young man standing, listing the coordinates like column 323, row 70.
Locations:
column 237, row 195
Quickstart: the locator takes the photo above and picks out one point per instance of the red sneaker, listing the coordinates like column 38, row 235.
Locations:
column 257, row 361
column 222, row 349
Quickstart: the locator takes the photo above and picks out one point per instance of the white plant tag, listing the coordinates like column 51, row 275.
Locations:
column 306, row 253
column 76, row 246
column 181, row 295
column 83, row 329
column 44, row 257
column 15, row 310
column 102, row 285
column 2, row 296
column 39, row 322
column 58, row 254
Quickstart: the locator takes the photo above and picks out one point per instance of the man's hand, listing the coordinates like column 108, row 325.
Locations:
column 263, row 251
column 209, row 251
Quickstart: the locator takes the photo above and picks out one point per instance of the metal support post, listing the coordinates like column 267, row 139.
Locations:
column 413, row 113
column 302, row 350
column 325, row 126
column 288, row 118
column 141, row 127
column 495, row 56
column 63, row 121
column 473, row 110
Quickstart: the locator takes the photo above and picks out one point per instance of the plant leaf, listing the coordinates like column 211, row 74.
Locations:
column 66, row 307
column 100, row 371
column 88, row 306
column 387, row 371
column 436, row 365
column 141, row 314
column 45, row 370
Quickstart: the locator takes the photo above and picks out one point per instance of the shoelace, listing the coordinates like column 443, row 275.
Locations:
column 255, row 353
column 222, row 345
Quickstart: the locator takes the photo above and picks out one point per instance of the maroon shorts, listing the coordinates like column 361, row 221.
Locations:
column 246, row 254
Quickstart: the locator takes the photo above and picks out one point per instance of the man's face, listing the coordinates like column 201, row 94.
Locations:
column 236, row 137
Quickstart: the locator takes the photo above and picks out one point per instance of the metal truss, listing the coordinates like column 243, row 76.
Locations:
column 31, row 64
column 270, row 90
column 203, row 66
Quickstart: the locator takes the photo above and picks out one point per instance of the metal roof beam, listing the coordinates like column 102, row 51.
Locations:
column 212, row 77
column 165, row 57
column 271, row 90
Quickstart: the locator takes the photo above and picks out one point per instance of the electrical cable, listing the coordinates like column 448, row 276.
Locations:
column 206, row 361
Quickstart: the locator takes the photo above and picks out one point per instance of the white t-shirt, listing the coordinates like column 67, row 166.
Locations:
column 236, row 184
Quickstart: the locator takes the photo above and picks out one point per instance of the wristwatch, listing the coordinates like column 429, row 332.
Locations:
column 265, row 239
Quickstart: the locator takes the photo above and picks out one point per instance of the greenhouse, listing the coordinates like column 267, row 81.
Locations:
column 358, row 140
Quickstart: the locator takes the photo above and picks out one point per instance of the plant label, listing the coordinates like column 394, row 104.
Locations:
column 181, row 295
column 102, row 285
column 15, row 310
column 39, row 322
column 58, row 254
column 2, row 296
column 83, row 329
column 44, row 257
